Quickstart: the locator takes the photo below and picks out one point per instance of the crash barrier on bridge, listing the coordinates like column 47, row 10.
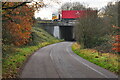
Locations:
column 58, row 23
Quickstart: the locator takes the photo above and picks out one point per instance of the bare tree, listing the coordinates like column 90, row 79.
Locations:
column 73, row 6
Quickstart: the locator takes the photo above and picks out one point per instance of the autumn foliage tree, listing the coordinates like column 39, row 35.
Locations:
column 112, row 13
column 117, row 37
column 17, row 23
column 116, row 45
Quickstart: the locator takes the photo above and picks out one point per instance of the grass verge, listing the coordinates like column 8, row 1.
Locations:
column 108, row 61
column 14, row 57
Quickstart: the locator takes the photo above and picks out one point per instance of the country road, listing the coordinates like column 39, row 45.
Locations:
column 58, row 61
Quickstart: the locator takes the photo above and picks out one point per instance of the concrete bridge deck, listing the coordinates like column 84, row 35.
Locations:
column 57, row 23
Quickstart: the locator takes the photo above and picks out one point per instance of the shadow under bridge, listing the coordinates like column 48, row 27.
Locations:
column 66, row 33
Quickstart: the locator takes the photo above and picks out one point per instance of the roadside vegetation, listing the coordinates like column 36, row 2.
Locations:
column 98, row 35
column 14, row 57
column 108, row 61
column 21, row 37
column 98, row 31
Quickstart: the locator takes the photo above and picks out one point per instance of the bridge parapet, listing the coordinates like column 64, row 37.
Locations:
column 58, row 23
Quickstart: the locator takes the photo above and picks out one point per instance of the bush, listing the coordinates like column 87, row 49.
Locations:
column 90, row 31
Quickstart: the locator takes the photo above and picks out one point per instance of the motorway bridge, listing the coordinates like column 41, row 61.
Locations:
column 62, row 29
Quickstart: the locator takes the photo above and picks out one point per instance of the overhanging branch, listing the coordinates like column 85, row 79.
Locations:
column 15, row 6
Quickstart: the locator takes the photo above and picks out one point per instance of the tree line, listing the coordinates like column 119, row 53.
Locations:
column 17, row 21
column 99, row 30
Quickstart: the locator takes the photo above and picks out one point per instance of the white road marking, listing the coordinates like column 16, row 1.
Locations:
column 54, row 62
column 86, row 64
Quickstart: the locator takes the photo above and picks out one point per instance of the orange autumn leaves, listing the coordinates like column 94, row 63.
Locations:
column 18, row 24
column 116, row 45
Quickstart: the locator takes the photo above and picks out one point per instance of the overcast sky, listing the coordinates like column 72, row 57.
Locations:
column 46, row 13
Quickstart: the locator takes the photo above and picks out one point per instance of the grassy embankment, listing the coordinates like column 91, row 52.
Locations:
column 14, row 57
column 108, row 61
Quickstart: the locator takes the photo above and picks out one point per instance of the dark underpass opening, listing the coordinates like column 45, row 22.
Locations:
column 66, row 33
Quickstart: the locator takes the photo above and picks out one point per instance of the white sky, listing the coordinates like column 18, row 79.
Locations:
column 46, row 13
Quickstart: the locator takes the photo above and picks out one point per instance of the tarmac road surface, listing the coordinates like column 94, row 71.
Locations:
column 58, row 61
